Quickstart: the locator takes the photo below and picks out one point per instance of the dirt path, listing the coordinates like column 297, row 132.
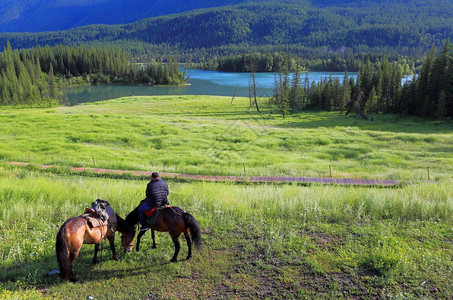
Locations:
column 257, row 179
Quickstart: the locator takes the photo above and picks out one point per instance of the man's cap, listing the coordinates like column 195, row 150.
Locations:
column 155, row 175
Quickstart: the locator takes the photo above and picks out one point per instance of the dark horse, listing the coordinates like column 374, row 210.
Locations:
column 76, row 231
column 174, row 220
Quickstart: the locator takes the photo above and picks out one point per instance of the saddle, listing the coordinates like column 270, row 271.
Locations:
column 93, row 218
column 153, row 213
column 100, row 214
column 150, row 212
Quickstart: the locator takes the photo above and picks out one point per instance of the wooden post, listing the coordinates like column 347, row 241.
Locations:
column 94, row 162
column 29, row 156
column 428, row 175
column 245, row 173
column 330, row 171
column 163, row 166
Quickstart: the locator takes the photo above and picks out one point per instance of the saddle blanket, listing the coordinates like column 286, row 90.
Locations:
column 152, row 214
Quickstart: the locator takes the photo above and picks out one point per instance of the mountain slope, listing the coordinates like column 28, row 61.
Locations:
column 36, row 16
column 408, row 27
column 51, row 15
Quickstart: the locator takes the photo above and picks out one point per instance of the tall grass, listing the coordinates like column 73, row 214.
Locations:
column 258, row 223
column 34, row 201
column 55, row 197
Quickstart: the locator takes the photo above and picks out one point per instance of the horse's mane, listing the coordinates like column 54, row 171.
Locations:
column 132, row 217
column 123, row 225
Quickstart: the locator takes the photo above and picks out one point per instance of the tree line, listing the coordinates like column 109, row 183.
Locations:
column 278, row 61
column 31, row 76
column 378, row 89
column 430, row 94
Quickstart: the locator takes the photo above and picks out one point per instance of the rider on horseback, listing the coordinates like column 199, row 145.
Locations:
column 156, row 196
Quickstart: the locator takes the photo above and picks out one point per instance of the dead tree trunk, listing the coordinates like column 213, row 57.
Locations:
column 252, row 69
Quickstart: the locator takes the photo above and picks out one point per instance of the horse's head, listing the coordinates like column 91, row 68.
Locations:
column 127, row 239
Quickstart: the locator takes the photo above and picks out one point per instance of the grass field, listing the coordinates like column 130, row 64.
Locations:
column 277, row 241
column 207, row 135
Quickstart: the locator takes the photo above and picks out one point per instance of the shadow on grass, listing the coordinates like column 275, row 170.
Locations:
column 380, row 123
column 312, row 119
column 34, row 274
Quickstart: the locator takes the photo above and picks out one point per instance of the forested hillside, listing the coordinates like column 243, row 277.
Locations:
column 404, row 27
column 36, row 16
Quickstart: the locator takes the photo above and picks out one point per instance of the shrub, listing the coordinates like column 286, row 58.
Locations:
column 387, row 256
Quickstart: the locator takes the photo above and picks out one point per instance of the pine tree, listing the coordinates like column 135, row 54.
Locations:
column 337, row 93
column 385, row 100
column 295, row 92
column 6, row 95
column 346, row 92
column 53, row 88
column 371, row 102
column 306, row 99
column 25, row 83
column 441, row 109
column 423, row 85
column 395, row 95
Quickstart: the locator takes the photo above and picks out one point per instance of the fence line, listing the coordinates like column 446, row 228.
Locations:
column 250, row 179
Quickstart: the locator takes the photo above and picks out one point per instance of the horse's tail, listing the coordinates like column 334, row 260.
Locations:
column 194, row 227
column 62, row 250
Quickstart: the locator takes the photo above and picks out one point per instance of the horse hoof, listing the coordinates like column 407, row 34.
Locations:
column 95, row 261
column 153, row 247
column 173, row 260
column 188, row 257
column 116, row 258
column 75, row 280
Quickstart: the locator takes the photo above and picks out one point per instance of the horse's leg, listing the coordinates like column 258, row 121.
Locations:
column 72, row 257
column 139, row 236
column 174, row 237
column 111, row 239
column 95, row 257
column 189, row 242
column 153, row 234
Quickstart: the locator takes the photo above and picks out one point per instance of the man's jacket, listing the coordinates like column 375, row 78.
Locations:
column 156, row 193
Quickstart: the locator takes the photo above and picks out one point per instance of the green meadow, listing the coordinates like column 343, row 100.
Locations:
column 260, row 240
column 208, row 135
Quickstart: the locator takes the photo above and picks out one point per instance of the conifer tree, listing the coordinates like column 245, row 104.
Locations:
column 295, row 92
column 441, row 106
column 52, row 84
column 371, row 102
column 346, row 92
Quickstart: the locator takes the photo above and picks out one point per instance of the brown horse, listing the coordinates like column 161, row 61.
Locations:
column 174, row 220
column 76, row 231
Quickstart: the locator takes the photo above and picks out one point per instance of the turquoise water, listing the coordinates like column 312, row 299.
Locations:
column 200, row 83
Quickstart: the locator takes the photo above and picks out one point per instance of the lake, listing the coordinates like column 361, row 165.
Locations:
column 200, row 83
